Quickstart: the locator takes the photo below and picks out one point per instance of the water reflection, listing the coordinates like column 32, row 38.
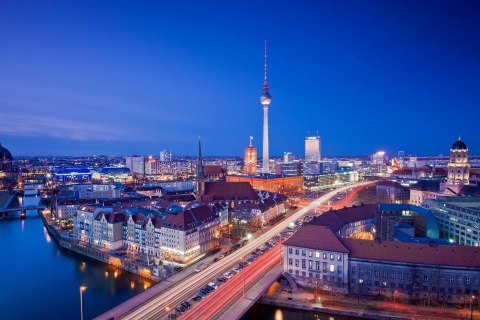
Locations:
column 278, row 315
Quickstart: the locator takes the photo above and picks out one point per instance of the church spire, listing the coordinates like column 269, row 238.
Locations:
column 200, row 173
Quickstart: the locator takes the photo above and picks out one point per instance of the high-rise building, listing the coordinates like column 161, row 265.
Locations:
column 250, row 159
column 379, row 158
column 288, row 157
column 401, row 159
column 312, row 149
column 166, row 155
column 136, row 164
column 265, row 100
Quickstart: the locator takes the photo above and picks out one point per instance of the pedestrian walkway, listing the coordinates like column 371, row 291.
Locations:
column 369, row 308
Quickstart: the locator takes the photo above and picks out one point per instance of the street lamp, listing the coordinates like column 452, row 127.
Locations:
column 168, row 311
column 395, row 291
column 82, row 288
column 471, row 307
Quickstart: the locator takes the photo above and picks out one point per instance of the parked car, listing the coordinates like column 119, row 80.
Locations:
column 201, row 294
column 228, row 275
column 197, row 298
column 180, row 309
column 200, row 267
column 222, row 279
column 213, row 285
column 236, row 270
column 186, row 304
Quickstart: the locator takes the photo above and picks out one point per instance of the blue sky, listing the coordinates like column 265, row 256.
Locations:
column 137, row 77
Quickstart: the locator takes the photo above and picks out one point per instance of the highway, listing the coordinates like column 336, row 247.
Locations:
column 186, row 289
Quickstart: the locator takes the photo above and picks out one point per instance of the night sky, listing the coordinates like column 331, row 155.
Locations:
column 136, row 77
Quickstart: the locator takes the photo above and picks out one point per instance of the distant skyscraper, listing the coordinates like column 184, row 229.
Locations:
column 379, row 158
column 288, row 157
column 165, row 155
column 265, row 100
column 250, row 159
column 312, row 149
column 401, row 159
column 136, row 164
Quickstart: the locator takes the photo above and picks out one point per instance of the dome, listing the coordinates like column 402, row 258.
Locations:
column 5, row 154
column 459, row 145
column 265, row 98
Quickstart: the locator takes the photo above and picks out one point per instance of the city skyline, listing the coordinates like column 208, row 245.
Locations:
column 123, row 79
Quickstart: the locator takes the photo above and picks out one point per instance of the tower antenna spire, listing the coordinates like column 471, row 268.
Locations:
column 265, row 78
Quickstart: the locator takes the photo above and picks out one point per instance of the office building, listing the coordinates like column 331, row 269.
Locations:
column 166, row 155
column 312, row 149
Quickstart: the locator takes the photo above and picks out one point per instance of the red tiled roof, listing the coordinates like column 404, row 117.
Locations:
column 461, row 256
column 336, row 219
column 210, row 169
column 226, row 191
column 316, row 237
column 389, row 183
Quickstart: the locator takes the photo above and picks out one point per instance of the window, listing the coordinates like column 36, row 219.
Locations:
column 304, row 264
column 392, row 275
column 324, row 266
column 377, row 273
column 332, row 268
column 353, row 270
column 339, row 257
column 385, row 274
column 317, row 265
column 339, row 269
column 297, row 263
column 290, row 261
column 310, row 264
column 442, row 279
column 459, row 279
column 297, row 251
column 324, row 256
column 425, row 288
column 310, row 254
column 425, row 278
column 369, row 272
column 450, row 279
column 304, row 253
column 290, row 250
column 317, row 254
column 475, row 281
column 400, row 285
column 467, row 280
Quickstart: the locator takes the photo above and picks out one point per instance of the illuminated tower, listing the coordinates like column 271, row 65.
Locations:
column 250, row 159
column 458, row 167
column 200, row 176
column 265, row 100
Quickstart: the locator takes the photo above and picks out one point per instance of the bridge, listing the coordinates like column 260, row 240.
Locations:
column 160, row 300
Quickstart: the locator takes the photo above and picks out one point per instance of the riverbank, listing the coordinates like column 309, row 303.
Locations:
column 112, row 258
column 367, row 308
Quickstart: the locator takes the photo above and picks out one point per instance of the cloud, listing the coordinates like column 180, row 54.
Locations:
column 13, row 123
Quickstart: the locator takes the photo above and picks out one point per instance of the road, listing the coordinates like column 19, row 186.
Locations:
column 186, row 289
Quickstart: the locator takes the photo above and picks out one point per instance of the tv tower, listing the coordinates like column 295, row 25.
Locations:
column 265, row 100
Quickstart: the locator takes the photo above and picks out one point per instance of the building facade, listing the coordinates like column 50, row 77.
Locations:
column 312, row 149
